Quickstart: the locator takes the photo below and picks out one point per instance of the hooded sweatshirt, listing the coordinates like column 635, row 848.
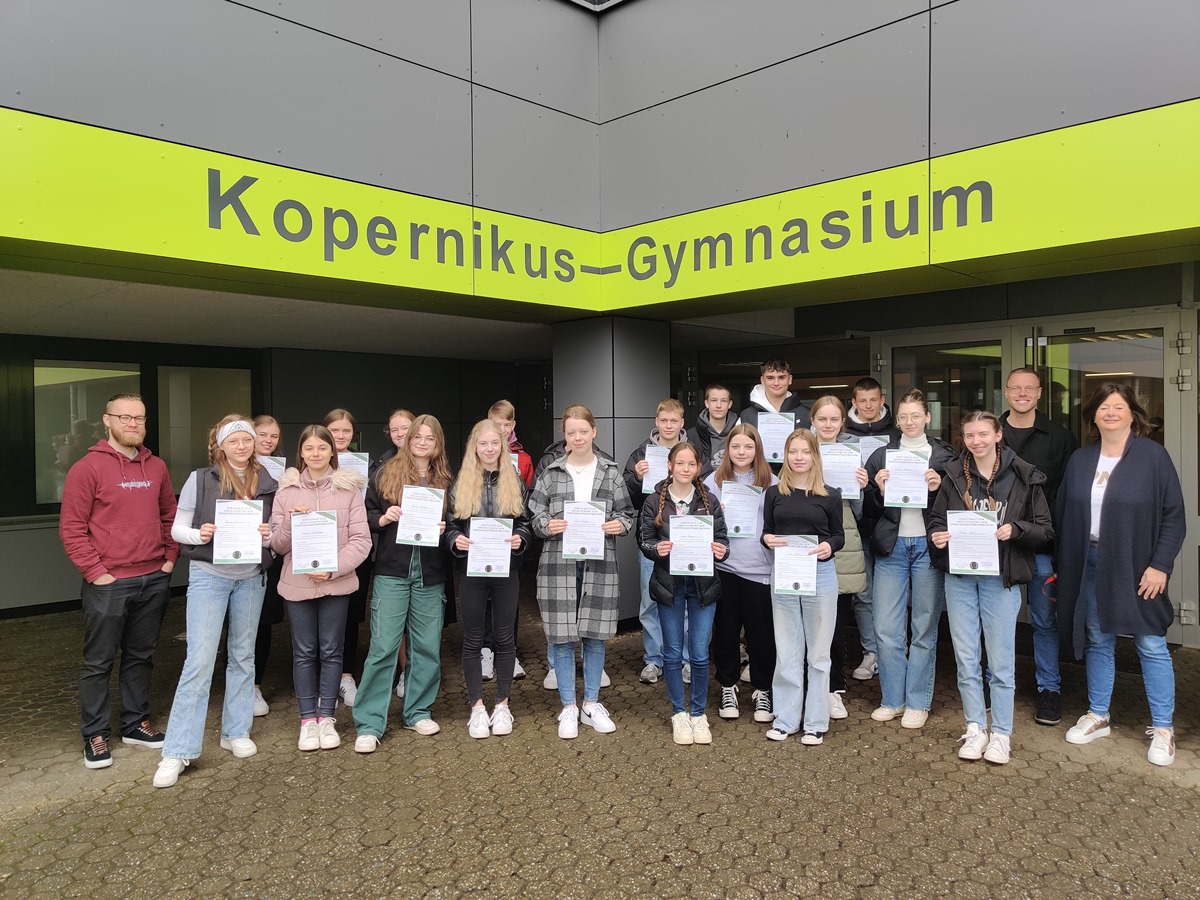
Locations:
column 881, row 427
column 710, row 441
column 760, row 403
column 117, row 513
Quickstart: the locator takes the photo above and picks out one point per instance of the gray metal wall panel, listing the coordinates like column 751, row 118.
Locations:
column 536, row 162
column 641, row 366
column 434, row 33
column 1004, row 70
column 583, row 366
column 541, row 50
column 775, row 130
column 652, row 52
column 219, row 76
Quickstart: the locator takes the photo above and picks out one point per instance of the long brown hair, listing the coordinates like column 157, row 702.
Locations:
column 468, row 494
column 321, row 433
column 980, row 415
column 816, row 475
column 401, row 469
column 760, row 468
column 239, row 487
column 698, row 484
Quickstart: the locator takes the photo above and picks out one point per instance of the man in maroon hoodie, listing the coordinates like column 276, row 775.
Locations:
column 117, row 511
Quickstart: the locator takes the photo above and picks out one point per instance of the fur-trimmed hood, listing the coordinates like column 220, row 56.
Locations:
column 339, row 480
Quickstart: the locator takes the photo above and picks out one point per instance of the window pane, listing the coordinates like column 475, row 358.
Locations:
column 68, row 401
column 190, row 401
column 955, row 378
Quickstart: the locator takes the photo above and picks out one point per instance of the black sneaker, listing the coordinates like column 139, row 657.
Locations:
column 1049, row 708
column 145, row 735
column 95, row 752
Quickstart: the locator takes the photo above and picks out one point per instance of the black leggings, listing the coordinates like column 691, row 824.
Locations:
column 475, row 595
column 744, row 604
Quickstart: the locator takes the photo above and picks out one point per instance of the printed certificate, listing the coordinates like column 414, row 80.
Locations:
column 691, row 545
column 584, row 537
column 774, row 429
column 657, row 457
column 237, row 540
column 275, row 465
column 314, row 542
column 867, row 445
column 905, row 486
column 840, row 463
column 795, row 570
column 974, row 547
column 489, row 554
column 421, row 509
column 356, row 462
column 741, row 502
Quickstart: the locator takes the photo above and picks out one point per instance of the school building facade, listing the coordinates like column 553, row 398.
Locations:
column 290, row 206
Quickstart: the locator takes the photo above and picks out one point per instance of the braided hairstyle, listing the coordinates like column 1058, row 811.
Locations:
column 698, row 484
column 981, row 415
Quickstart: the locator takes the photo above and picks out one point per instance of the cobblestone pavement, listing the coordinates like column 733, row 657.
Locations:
column 876, row 811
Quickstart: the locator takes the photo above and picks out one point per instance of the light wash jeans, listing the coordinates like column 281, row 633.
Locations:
column 208, row 598
column 803, row 627
column 562, row 657
column 1043, row 616
column 977, row 603
column 686, row 625
column 906, row 669
column 652, row 633
column 864, row 616
column 1158, row 674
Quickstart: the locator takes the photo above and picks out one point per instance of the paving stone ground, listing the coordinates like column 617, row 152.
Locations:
column 876, row 811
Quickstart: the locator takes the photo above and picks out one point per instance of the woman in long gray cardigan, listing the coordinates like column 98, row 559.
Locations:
column 579, row 597
column 1121, row 525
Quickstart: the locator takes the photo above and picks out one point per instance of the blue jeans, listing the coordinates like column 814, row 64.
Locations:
column 686, row 622
column 652, row 633
column 1043, row 616
column 975, row 603
column 864, row 616
column 1157, row 672
column 906, row 669
column 208, row 598
column 803, row 627
column 562, row 657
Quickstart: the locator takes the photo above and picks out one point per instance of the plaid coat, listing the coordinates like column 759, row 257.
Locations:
column 595, row 615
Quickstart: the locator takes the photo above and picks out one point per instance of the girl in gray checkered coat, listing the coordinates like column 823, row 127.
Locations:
column 579, row 597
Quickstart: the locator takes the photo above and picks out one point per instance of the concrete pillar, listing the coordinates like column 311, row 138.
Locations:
column 620, row 369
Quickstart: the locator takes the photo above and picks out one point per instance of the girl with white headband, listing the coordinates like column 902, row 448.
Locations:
column 214, row 588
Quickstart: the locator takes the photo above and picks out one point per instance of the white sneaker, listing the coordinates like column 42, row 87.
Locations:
column 479, row 725
column 605, row 681
column 701, row 733
column 867, row 669
column 762, row 707
column 550, row 682
column 729, row 703
column 745, row 676
column 687, row 673
column 310, row 738
column 997, row 749
column 425, row 727
column 887, row 713
column 502, row 719
column 776, row 734
column 595, row 715
column 1089, row 727
column 518, row 670
column 327, row 734
column 487, row 661
column 400, row 687
column 650, row 674
column 168, row 771
column 812, row 739
column 837, row 709
column 681, row 729
column 914, row 718
column 348, row 690
column 568, row 723
column 1162, row 746
column 973, row 742
column 261, row 707
column 366, row 743
column 242, row 748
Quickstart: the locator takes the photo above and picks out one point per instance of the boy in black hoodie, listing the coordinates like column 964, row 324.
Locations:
column 713, row 427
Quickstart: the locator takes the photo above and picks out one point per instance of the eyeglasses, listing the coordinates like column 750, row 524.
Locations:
column 908, row 420
column 1018, row 391
column 418, row 439
column 125, row 420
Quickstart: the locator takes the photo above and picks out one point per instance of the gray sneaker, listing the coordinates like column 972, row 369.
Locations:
column 650, row 674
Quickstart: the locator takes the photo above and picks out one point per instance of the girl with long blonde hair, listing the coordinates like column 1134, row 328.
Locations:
column 488, row 486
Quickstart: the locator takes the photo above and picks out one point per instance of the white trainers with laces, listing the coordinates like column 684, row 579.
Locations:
column 479, row 725
column 425, row 727
column 998, row 749
column 168, row 771
column 487, row 661
column 366, row 743
column 327, row 734
column 867, row 669
column 681, row 729
column 1089, row 727
column 595, row 715
column 837, row 709
column 650, row 674
column 348, row 690
column 550, row 682
column 502, row 719
column 973, row 742
column 241, row 748
column 812, row 739
column 518, row 670
column 762, row 707
column 701, row 733
column 261, row 707
column 605, row 681
column 687, row 673
column 745, row 676
column 400, row 687
column 310, row 737
column 729, row 703
column 887, row 713
column 568, row 723
column 1162, row 746
column 914, row 718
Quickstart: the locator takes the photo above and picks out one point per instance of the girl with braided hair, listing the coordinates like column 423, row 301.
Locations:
column 682, row 493
column 991, row 478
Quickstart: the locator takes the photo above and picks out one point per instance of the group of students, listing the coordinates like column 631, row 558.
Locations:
column 888, row 564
